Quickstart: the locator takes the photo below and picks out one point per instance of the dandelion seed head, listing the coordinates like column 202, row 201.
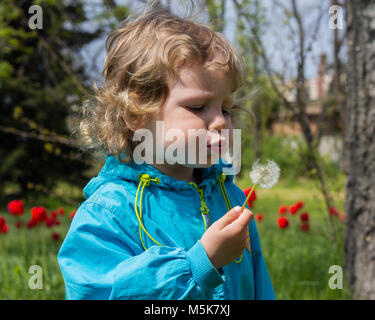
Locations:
column 265, row 175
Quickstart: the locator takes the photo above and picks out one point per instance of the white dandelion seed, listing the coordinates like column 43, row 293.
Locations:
column 265, row 175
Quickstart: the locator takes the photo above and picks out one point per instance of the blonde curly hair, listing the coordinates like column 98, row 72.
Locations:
column 142, row 54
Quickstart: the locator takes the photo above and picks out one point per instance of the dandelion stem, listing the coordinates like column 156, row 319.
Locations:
column 248, row 196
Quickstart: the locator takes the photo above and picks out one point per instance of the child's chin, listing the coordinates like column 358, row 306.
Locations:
column 205, row 163
column 208, row 164
column 197, row 165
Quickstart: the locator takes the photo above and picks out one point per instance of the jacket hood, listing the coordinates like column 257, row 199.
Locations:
column 114, row 169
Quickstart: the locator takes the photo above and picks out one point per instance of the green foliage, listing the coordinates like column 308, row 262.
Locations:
column 216, row 9
column 39, row 71
column 289, row 152
column 264, row 102
column 110, row 17
column 6, row 69
column 121, row 12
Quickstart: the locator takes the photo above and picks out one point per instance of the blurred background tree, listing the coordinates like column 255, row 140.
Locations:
column 261, row 101
column 42, row 77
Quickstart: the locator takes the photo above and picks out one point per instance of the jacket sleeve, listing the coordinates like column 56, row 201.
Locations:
column 262, row 281
column 100, row 259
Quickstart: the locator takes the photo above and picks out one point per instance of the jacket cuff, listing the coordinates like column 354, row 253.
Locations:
column 203, row 272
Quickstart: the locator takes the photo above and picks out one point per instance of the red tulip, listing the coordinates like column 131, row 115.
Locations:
column 333, row 211
column 4, row 228
column 342, row 216
column 2, row 222
column 259, row 217
column 39, row 214
column 3, row 225
column 293, row 209
column 55, row 236
column 18, row 224
column 252, row 197
column 282, row 222
column 15, row 207
column 304, row 216
column 72, row 214
column 283, row 209
column 305, row 226
column 299, row 204
column 49, row 222
column 61, row 211
column 31, row 223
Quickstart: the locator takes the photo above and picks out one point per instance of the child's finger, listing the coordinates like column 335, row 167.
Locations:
column 244, row 219
column 229, row 217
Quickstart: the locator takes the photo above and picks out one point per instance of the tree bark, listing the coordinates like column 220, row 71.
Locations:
column 360, row 186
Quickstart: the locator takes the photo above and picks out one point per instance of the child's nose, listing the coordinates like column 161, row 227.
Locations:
column 217, row 121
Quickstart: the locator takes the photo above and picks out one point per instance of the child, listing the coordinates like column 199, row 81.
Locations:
column 158, row 230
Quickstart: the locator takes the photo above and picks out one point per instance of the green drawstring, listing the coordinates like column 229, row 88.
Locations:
column 204, row 209
column 221, row 180
column 145, row 181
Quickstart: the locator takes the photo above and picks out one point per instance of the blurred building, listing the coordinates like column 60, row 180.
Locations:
column 317, row 94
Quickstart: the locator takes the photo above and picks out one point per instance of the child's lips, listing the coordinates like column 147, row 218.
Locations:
column 217, row 147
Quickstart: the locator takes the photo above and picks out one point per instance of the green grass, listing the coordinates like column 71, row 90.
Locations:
column 23, row 247
column 298, row 262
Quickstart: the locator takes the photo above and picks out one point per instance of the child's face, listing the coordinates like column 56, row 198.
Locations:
column 200, row 99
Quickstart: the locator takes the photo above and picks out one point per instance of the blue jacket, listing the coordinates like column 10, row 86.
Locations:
column 106, row 253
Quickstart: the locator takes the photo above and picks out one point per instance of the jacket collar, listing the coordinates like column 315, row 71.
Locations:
column 130, row 171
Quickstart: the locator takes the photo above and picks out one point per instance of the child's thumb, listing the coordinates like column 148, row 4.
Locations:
column 230, row 216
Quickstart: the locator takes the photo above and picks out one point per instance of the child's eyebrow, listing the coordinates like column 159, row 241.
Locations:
column 205, row 97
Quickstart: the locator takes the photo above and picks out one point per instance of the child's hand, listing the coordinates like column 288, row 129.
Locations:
column 225, row 239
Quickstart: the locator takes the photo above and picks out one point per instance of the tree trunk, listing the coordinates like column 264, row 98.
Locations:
column 360, row 186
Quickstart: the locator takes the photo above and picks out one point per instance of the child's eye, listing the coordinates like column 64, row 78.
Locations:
column 200, row 108
column 225, row 112
column 196, row 108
